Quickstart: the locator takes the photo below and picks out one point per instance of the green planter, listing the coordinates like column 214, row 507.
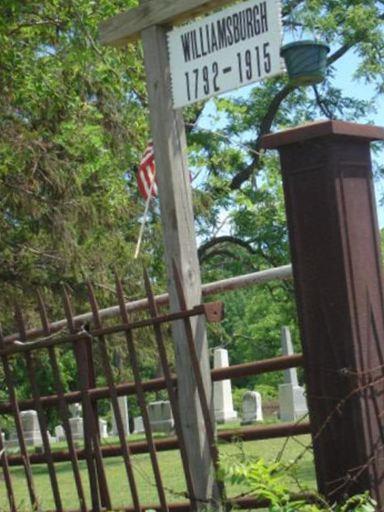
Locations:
column 306, row 61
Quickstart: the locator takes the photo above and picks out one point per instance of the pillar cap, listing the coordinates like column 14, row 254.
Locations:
column 322, row 129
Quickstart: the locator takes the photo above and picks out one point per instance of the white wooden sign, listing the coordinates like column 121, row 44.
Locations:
column 224, row 51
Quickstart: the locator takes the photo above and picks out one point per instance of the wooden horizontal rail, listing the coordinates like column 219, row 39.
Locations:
column 127, row 389
column 225, row 285
column 126, row 27
column 171, row 443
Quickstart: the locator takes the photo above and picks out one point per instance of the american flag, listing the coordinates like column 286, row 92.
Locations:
column 146, row 174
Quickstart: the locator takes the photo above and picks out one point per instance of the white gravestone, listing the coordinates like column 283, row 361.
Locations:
column 51, row 439
column 76, row 423
column 222, row 390
column 103, row 427
column 252, row 410
column 31, row 429
column 60, row 433
column 123, row 406
column 160, row 416
column 77, row 428
column 292, row 401
column 138, row 425
column 76, row 410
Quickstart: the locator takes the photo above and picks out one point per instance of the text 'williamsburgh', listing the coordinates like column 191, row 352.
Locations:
column 225, row 32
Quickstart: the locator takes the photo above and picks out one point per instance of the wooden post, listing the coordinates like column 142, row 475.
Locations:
column 336, row 261
column 175, row 196
column 180, row 245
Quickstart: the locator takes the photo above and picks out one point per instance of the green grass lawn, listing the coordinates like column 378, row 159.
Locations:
column 171, row 469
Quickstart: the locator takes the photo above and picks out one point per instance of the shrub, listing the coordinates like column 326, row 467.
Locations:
column 267, row 481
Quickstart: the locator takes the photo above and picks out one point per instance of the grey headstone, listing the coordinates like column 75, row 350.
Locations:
column 75, row 410
column 160, row 416
column 77, row 428
column 103, row 427
column 138, row 425
column 51, row 439
column 252, row 409
column 31, row 429
column 76, row 422
column 123, row 407
column 59, row 433
column 292, row 402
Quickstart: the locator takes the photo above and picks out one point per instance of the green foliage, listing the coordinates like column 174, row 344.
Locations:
column 359, row 503
column 73, row 124
column 240, row 204
column 267, row 392
column 267, row 481
column 251, row 329
column 242, row 185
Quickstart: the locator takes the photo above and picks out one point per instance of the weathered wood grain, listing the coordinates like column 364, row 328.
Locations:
column 180, row 247
column 127, row 26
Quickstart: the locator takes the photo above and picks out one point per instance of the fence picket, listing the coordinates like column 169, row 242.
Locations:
column 31, row 370
column 7, row 476
column 141, row 397
column 19, row 429
column 63, row 406
column 98, row 486
column 113, row 394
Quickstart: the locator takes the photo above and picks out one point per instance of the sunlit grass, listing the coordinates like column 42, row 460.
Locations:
column 171, row 470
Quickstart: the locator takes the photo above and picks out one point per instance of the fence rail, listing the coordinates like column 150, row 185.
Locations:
column 244, row 503
column 224, row 285
column 128, row 388
column 172, row 443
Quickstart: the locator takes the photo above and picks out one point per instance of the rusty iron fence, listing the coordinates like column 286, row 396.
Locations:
column 83, row 340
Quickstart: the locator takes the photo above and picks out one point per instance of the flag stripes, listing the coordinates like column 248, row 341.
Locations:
column 146, row 174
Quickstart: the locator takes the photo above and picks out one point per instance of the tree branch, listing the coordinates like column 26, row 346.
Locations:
column 35, row 23
column 290, row 6
column 192, row 122
column 339, row 53
column 222, row 240
column 265, row 128
column 267, row 121
column 321, row 104
column 219, row 252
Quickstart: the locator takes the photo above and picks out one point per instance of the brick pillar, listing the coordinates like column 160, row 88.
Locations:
column 336, row 259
